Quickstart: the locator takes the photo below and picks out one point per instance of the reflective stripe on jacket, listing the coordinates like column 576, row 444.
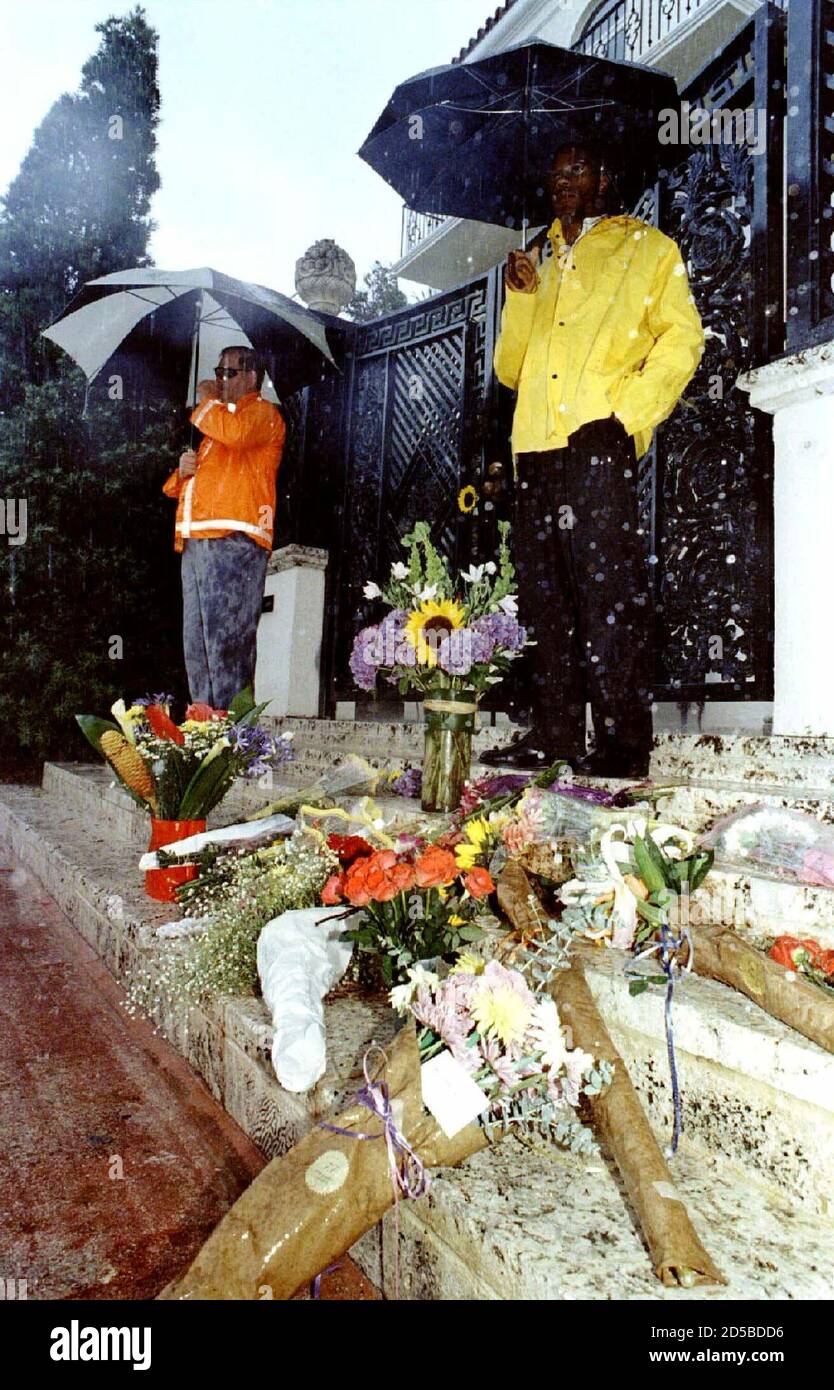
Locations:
column 237, row 464
column 615, row 331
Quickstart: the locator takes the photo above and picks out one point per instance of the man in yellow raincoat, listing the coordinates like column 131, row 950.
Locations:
column 599, row 338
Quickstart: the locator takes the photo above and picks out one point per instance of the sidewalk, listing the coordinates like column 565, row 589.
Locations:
column 118, row 1162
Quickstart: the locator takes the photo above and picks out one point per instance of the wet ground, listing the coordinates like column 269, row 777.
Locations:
column 117, row 1161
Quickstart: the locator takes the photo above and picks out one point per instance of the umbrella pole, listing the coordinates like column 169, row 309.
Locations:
column 197, row 319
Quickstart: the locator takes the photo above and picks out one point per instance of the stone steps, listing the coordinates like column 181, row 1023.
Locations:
column 756, row 1164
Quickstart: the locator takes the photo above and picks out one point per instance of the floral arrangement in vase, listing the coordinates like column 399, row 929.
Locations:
column 447, row 639
column 180, row 772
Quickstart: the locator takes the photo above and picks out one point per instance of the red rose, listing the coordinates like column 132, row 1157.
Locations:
column 825, row 962
column 202, row 713
column 355, row 887
column 403, row 876
column 435, row 868
column 478, row 883
column 331, row 893
column 348, row 847
column 785, row 948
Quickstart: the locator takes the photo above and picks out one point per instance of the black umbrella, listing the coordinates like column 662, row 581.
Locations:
column 475, row 140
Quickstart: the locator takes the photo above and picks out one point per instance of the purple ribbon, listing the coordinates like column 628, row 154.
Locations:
column 408, row 1174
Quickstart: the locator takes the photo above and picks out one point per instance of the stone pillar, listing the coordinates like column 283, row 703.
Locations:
column 798, row 391
column 290, row 632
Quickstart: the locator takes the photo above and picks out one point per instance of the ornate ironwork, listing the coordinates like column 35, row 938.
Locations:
column 712, row 537
column 629, row 29
column 810, row 172
column 420, row 379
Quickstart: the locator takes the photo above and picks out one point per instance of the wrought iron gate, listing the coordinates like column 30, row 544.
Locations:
column 415, row 414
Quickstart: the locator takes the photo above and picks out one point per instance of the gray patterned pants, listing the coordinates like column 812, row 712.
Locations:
column 222, row 592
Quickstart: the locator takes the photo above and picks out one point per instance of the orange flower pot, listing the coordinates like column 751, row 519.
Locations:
column 163, row 883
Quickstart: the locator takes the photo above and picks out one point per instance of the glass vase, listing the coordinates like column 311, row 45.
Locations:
column 447, row 754
column 163, row 883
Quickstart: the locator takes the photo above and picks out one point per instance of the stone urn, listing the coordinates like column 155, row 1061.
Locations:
column 325, row 277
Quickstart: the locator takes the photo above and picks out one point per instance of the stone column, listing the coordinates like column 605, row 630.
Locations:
column 290, row 632
column 798, row 391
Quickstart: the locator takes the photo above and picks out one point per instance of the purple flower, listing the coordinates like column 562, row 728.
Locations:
column 501, row 630
column 363, row 665
column 257, row 750
column 162, row 699
column 409, row 783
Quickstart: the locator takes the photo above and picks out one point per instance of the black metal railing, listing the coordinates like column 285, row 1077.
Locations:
column 628, row 30
column 416, row 227
column 810, row 173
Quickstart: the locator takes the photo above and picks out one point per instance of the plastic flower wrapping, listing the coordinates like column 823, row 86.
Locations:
column 774, row 843
column 441, row 632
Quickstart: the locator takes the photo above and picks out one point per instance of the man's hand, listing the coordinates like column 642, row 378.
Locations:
column 207, row 391
column 520, row 273
column 188, row 464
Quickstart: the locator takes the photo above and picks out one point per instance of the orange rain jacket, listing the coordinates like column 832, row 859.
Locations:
column 237, row 464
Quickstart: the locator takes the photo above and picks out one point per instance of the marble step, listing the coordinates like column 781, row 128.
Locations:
column 756, row 1166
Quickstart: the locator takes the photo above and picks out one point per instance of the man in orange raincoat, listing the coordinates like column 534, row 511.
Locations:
column 224, row 527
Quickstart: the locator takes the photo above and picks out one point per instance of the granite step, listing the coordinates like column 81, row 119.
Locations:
column 514, row 1222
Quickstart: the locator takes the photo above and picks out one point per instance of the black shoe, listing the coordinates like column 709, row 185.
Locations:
column 534, row 751
column 631, row 764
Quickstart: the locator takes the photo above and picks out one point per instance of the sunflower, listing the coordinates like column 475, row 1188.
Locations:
column 436, row 619
column 467, row 498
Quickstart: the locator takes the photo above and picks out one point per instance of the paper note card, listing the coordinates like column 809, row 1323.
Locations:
column 450, row 1094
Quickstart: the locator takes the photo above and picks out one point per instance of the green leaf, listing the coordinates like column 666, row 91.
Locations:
column 651, row 864
column 242, row 703
column 471, row 933
column 637, row 987
column 252, row 715
column 650, row 913
column 208, row 785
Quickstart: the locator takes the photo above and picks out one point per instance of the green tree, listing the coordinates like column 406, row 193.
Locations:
column 88, row 604
column 381, row 295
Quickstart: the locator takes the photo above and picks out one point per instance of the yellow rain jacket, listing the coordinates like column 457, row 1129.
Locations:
column 615, row 331
column 237, row 464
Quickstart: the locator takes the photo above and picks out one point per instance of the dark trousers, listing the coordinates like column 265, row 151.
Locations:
column 583, row 590
column 222, row 596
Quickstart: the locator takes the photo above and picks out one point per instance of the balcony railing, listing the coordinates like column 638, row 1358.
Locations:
column 416, row 227
column 628, row 30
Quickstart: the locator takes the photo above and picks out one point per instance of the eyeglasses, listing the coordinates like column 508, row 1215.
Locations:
column 225, row 373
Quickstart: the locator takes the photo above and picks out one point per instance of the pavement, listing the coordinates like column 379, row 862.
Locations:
column 117, row 1161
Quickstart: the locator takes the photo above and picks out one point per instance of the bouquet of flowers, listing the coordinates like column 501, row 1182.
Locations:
column 308, row 1207
column 507, row 1039
column 775, row 843
column 447, row 639
column 416, row 904
column 236, row 895
column 180, row 772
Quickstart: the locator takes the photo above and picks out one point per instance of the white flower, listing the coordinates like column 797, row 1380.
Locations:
column 490, row 567
column 425, row 594
column 372, row 590
column 399, row 570
column 418, row 978
column 509, row 605
column 547, row 1035
column 473, row 574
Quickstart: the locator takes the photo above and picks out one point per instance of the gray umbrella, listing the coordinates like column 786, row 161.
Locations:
column 198, row 312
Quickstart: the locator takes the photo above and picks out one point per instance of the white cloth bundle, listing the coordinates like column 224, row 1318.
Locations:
column 299, row 963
